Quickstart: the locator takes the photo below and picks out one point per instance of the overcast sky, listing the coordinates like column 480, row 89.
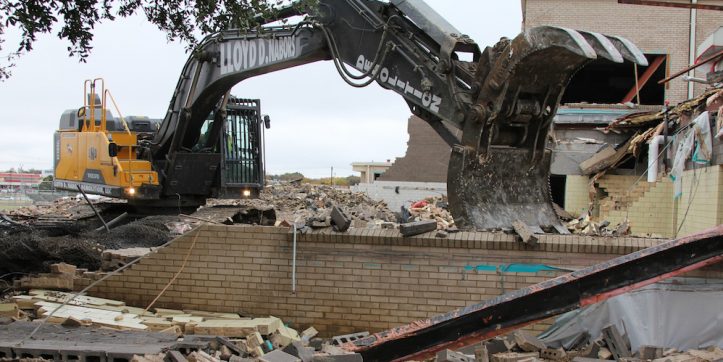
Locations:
column 318, row 121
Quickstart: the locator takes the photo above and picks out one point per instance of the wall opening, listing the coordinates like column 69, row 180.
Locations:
column 557, row 188
column 605, row 82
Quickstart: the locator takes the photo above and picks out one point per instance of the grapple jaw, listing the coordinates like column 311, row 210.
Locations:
column 497, row 190
column 500, row 172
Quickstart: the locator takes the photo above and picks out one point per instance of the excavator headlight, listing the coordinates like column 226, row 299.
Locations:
column 247, row 193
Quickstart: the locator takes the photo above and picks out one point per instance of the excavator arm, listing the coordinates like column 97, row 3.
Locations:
column 503, row 99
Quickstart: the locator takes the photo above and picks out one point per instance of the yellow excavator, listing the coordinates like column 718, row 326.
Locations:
column 100, row 154
column 502, row 98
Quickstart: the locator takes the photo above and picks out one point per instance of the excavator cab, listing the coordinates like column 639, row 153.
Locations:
column 242, row 168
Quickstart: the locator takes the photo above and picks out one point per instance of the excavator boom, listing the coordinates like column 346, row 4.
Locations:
column 503, row 99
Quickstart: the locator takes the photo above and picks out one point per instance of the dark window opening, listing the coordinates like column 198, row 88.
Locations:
column 377, row 175
column 628, row 164
column 605, row 82
column 557, row 188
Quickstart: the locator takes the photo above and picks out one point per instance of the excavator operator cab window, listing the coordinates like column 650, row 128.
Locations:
column 204, row 135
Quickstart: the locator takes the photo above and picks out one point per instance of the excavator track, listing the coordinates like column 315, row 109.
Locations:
column 500, row 172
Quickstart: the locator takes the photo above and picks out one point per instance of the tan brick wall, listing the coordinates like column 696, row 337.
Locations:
column 362, row 280
column 654, row 29
column 702, row 191
column 655, row 212
column 577, row 198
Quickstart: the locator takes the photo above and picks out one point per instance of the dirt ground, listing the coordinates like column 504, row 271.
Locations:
column 33, row 250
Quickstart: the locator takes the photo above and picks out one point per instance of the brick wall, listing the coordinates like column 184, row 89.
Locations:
column 362, row 280
column 654, row 211
column 702, row 191
column 577, row 200
column 654, row 29
column 427, row 156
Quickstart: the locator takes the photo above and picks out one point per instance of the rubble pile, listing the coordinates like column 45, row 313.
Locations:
column 522, row 347
column 433, row 208
column 201, row 335
column 312, row 205
column 70, row 208
column 212, row 336
column 586, row 226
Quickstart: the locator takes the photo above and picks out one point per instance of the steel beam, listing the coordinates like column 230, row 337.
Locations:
column 669, row 4
column 644, row 78
column 514, row 310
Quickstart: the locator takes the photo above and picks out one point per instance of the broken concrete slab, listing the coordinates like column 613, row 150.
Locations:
column 525, row 233
column 346, row 338
column 297, row 348
column 63, row 268
column 555, row 354
column 417, row 227
column 452, row 356
column 238, row 327
column 515, row 357
column 527, row 342
column 618, row 345
column 339, row 220
column 279, row 356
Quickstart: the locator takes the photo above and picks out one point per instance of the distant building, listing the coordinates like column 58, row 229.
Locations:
column 17, row 180
column 421, row 173
column 370, row 171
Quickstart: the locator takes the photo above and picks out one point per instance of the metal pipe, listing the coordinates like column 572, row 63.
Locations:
column 115, row 221
column 93, row 207
column 293, row 264
column 693, row 29
column 653, row 151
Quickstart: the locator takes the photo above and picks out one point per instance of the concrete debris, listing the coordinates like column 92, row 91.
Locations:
column 198, row 335
column 68, row 208
column 417, row 227
column 432, row 208
column 313, row 204
column 586, row 226
column 114, row 259
column 188, row 335
column 523, row 347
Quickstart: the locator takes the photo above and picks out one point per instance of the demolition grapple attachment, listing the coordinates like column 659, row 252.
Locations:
column 500, row 172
